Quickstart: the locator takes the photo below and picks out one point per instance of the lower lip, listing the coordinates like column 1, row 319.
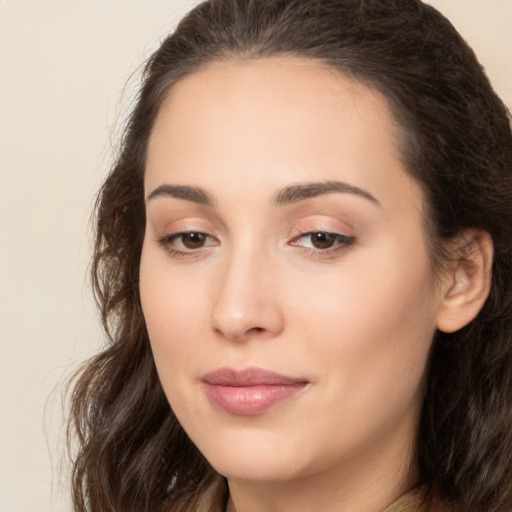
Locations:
column 250, row 400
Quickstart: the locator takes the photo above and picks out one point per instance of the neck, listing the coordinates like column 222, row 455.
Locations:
column 366, row 484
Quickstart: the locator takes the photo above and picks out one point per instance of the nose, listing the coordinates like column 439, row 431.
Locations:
column 246, row 304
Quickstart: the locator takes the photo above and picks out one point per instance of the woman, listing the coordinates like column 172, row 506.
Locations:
column 303, row 263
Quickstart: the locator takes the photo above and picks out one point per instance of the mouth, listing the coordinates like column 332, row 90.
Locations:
column 250, row 391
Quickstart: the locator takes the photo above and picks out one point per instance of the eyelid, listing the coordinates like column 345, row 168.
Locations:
column 181, row 234
column 338, row 231
column 345, row 239
column 327, row 221
column 167, row 241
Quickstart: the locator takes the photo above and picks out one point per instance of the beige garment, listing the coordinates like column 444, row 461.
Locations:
column 214, row 500
column 409, row 502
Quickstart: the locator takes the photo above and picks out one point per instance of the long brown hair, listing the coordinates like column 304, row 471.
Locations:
column 132, row 455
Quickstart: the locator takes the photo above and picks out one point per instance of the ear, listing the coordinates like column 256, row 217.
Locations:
column 468, row 281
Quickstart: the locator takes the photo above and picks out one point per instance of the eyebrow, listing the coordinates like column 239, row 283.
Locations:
column 288, row 195
column 185, row 192
column 302, row 191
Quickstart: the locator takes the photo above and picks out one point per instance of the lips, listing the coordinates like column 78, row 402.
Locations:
column 250, row 391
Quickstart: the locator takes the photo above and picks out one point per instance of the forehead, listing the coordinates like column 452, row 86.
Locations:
column 275, row 120
column 262, row 90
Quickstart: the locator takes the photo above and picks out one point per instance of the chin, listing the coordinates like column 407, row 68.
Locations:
column 255, row 455
column 256, row 469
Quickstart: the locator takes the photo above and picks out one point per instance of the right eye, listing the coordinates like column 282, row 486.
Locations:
column 187, row 242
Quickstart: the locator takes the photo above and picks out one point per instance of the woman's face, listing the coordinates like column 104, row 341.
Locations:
column 284, row 277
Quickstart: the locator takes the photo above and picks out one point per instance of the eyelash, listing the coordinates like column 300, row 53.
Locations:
column 341, row 242
column 167, row 240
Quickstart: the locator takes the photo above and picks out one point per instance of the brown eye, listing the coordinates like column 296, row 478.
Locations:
column 187, row 243
column 322, row 240
column 193, row 240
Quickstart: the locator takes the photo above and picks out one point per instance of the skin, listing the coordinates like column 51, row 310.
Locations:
column 355, row 321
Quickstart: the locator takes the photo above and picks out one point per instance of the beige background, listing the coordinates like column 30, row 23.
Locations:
column 64, row 66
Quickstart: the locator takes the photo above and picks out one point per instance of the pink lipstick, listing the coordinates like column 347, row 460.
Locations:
column 250, row 391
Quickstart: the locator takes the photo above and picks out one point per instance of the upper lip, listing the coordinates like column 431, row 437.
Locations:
column 249, row 377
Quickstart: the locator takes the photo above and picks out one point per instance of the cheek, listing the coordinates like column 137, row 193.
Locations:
column 171, row 311
column 372, row 329
column 172, row 320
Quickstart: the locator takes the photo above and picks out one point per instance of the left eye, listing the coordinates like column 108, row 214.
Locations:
column 322, row 240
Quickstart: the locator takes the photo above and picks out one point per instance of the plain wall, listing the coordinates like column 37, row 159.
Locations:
column 63, row 70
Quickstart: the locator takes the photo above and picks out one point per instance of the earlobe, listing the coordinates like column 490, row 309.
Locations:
column 468, row 281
